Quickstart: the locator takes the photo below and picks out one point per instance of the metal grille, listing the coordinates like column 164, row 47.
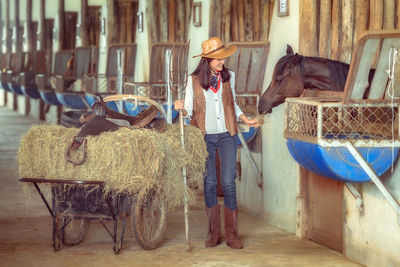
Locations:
column 312, row 120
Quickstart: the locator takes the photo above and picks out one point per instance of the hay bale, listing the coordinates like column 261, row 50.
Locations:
column 128, row 161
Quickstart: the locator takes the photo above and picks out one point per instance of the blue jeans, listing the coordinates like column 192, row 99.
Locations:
column 226, row 145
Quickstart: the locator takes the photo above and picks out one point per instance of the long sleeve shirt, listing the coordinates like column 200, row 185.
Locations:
column 215, row 117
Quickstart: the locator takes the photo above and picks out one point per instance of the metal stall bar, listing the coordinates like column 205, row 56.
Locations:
column 367, row 168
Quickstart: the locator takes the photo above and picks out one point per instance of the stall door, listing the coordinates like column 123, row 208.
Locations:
column 324, row 209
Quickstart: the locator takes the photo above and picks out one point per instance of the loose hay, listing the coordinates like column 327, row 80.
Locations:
column 128, row 161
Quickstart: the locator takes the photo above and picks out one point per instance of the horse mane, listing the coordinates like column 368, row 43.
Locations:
column 338, row 72
column 287, row 61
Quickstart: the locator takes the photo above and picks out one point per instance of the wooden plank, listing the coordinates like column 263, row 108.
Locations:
column 226, row 18
column 347, row 31
column 180, row 21
column 151, row 25
column 111, row 23
column 42, row 26
column 256, row 20
column 188, row 10
column 388, row 14
column 234, row 21
column 242, row 82
column 61, row 25
column 171, row 21
column 84, row 29
column 335, row 32
column 163, row 20
column 308, row 44
column 248, row 16
column 30, row 28
column 241, row 20
column 325, row 27
column 264, row 29
column 361, row 18
column 376, row 15
column 129, row 24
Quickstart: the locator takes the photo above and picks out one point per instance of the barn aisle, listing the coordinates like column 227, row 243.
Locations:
column 25, row 230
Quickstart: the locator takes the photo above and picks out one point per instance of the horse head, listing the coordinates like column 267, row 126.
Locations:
column 286, row 82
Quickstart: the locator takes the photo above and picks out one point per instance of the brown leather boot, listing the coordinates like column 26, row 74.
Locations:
column 214, row 226
column 231, row 228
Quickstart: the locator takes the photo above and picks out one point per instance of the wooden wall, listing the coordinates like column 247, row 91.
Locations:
column 241, row 20
column 168, row 20
column 330, row 28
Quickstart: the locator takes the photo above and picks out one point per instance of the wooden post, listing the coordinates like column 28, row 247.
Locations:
column 256, row 20
column 388, row 14
column 215, row 21
column 347, row 31
column 84, row 29
column 361, row 18
column 325, row 28
column 41, row 37
column 61, row 25
column 248, row 11
column 171, row 21
column 163, row 20
column 234, row 21
column 188, row 10
column 226, row 18
column 151, row 25
column 241, row 20
column 335, row 33
column 180, row 21
column 112, row 34
column 8, row 31
column 29, row 33
column 376, row 15
column 398, row 16
column 308, row 31
column 264, row 29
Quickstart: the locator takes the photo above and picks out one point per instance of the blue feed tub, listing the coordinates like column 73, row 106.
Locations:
column 337, row 162
column 247, row 135
column 15, row 88
column 49, row 97
column 5, row 87
column 92, row 98
column 73, row 100
column 32, row 92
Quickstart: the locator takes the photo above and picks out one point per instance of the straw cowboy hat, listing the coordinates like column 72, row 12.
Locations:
column 214, row 48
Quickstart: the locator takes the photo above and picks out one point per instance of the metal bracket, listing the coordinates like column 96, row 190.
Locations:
column 357, row 195
column 367, row 168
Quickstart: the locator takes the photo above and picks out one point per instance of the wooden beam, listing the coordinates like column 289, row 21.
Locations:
column 388, row 14
column 241, row 20
column 226, row 19
column 264, row 29
column 234, row 21
column 335, row 32
column 112, row 34
column 42, row 35
column 29, row 33
column 84, row 29
column 361, row 18
column 325, row 28
column 256, row 20
column 163, row 21
column 308, row 44
column 61, row 25
column 347, row 31
column 171, row 21
column 376, row 15
column 248, row 17
column 180, row 21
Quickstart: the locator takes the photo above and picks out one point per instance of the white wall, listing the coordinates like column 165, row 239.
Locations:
column 373, row 238
column 276, row 203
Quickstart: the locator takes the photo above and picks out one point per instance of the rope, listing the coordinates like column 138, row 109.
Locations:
column 392, row 60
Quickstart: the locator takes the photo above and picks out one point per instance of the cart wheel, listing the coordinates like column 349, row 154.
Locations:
column 75, row 231
column 149, row 220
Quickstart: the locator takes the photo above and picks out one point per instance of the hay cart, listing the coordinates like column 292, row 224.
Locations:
column 76, row 203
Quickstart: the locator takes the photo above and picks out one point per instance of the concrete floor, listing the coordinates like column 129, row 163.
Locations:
column 26, row 230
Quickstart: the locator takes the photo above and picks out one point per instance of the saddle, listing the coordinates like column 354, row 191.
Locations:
column 103, row 119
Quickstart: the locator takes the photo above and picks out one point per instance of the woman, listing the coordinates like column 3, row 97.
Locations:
column 210, row 104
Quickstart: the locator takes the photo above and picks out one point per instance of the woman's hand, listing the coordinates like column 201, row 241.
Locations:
column 179, row 104
column 251, row 122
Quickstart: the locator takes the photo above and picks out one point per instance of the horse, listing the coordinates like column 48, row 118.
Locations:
column 294, row 73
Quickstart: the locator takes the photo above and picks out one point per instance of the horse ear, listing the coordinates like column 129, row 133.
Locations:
column 289, row 50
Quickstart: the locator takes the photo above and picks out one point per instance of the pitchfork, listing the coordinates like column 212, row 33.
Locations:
column 180, row 81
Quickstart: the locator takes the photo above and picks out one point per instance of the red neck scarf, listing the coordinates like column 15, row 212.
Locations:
column 215, row 82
